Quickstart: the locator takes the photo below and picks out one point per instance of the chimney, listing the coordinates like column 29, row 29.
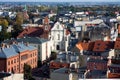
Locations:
column 27, row 43
column 3, row 45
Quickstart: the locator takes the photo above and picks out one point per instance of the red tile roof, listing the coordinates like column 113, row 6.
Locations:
column 101, row 46
column 85, row 45
column 117, row 44
column 97, row 46
column 113, row 75
column 57, row 65
column 34, row 32
column 67, row 32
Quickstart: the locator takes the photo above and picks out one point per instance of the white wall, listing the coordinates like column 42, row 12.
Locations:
column 43, row 50
column 58, row 37
column 15, row 77
column 111, row 53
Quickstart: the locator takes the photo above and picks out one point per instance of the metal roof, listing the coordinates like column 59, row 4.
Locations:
column 14, row 50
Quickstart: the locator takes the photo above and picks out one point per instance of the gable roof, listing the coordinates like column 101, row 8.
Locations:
column 101, row 46
column 7, row 52
column 61, row 27
column 34, row 32
column 14, row 49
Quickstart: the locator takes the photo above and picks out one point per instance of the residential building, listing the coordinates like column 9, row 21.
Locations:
column 42, row 31
column 114, row 62
column 64, row 74
column 97, row 64
column 43, row 46
column 68, row 60
column 14, row 56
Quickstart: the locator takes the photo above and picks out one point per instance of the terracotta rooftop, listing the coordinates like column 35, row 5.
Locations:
column 101, row 46
column 98, row 45
column 33, row 32
column 117, row 44
column 67, row 32
column 85, row 45
column 57, row 65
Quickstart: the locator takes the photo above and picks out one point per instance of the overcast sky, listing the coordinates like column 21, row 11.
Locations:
column 60, row 0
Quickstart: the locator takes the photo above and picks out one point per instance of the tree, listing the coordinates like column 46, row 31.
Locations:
column 27, row 71
column 19, row 18
column 4, row 34
column 17, row 28
column 53, row 55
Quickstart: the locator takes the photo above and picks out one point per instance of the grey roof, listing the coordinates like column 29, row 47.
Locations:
column 14, row 50
column 61, row 70
column 32, row 40
column 4, row 74
column 35, row 40
column 96, row 73
column 67, row 57
column 7, row 52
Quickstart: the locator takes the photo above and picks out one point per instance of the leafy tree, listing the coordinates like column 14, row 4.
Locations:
column 19, row 18
column 53, row 55
column 4, row 34
column 27, row 71
column 39, row 63
column 17, row 28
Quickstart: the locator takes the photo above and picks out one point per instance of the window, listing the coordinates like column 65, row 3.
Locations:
column 58, row 36
column 11, row 61
column 14, row 60
column 31, row 55
column 8, row 69
column 17, row 59
column 24, row 57
column 17, row 67
column 57, row 26
column 33, row 61
column 8, row 62
column 53, row 38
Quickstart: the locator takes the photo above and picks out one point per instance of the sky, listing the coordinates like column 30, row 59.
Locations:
column 59, row 0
